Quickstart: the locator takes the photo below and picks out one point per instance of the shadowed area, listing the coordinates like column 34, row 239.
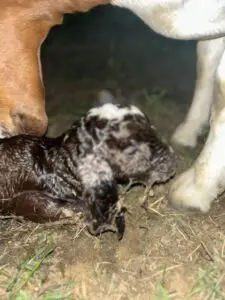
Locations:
column 109, row 47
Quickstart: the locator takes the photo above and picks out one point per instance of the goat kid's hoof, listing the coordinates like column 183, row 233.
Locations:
column 96, row 229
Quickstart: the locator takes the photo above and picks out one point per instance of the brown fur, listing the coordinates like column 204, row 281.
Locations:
column 24, row 25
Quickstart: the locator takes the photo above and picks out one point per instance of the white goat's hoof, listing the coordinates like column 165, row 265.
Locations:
column 186, row 194
column 185, row 136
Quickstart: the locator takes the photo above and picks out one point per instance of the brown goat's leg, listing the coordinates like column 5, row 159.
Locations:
column 38, row 207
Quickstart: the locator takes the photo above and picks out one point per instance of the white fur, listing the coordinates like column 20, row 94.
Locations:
column 110, row 111
column 180, row 19
column 201, row 16
column 209, row 54
column 2, row 135
column 185, row 193
column 201, row 184
column 94, row 170
column 204, row 181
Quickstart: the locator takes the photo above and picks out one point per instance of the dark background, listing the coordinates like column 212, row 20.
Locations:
column 110, row 47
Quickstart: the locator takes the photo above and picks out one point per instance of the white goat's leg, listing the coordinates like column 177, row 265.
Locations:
column 205, row 180
column 208, row 56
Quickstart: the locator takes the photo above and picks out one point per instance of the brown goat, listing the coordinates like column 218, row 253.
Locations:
column 24, row 25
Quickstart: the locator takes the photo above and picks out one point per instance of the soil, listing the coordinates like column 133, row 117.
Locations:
column 165, row 254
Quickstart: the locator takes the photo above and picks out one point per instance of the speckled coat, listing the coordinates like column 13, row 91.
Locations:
column 45, row 178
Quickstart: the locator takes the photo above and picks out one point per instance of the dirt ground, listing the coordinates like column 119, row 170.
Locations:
column 165, row 254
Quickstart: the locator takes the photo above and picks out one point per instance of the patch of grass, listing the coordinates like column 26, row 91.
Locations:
column 209, row 283
column 161, row 293
column 27, row 269
column 61, row 291
column 22, row 295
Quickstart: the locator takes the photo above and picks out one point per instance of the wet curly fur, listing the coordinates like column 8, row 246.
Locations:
column 48, row 178
column 44, row 178
column 131, row 144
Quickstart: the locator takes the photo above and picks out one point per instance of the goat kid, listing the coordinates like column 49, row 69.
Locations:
column 45, row 178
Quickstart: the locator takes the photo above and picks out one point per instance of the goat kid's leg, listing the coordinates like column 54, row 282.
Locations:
column 38, row 207
column 208, row 57
column 205, row 180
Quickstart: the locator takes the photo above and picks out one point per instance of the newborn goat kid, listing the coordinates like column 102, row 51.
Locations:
column 48, row 178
